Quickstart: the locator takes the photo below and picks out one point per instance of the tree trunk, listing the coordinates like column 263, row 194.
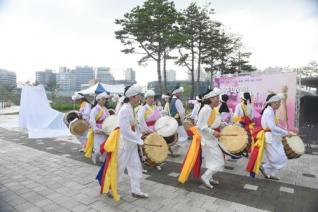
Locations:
column 165, row 71
column 199, row 69
column 192, row 70
column 159, row 69
column 211, row 72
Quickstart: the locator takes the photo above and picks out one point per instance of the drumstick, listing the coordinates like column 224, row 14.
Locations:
column 228, row 134
column 156, row 145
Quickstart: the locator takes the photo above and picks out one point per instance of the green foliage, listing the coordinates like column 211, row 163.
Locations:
column 64, row 106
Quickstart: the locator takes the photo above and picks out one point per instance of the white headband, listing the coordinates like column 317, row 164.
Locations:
column 178, row 90
column 102, row 95
column 165, row 96
column 77, row 96
column 115, row 98
column 197, row 98
column 213, row 93
column 149, row 93
column 275, row 98
column 133, row 90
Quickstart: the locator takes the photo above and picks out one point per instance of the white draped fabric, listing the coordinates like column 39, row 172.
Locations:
column 37, row 116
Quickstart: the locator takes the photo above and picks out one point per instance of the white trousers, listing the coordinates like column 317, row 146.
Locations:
column 129, row 159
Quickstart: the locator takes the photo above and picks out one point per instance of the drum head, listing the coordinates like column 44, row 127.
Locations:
column 70, row 116
column 110, row 123
column 78, row 126
column 154, row 153
column 166, row 126
column 234, row 144
column 296, row 144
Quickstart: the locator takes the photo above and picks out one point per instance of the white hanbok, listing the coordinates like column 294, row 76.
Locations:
column 195, row 111
column 84, row 111
column 240, row 113
column 128, row 157
column 99, row 138
column 212, row 154
column 274, row 158
column 182, row 134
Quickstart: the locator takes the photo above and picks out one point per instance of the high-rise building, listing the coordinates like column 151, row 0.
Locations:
column 104, row 75
column 8, row 79
column 65, row 79
column 130, row 74
column 171, row 75
column 46, row 78
column 203, row 76
column 83, row 74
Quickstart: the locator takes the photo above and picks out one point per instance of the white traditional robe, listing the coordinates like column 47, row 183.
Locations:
column 212, row 154
column 195, row 111
column 182, row 134
column 239, row 111
column 99, row 138
column 85, row 111
column 128, row 149
column 274, row 158
column 142, row 119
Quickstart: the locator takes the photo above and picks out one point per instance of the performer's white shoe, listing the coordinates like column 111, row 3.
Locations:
column 158, row 168
column 214, row 182
column 206, row 183
column 140, row 195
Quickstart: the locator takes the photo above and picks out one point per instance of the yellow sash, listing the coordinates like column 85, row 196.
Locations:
column 148, row 112
column 191, row 155
column 90, row 137
column 212, row 116
column 110, row 180
column 260, row 143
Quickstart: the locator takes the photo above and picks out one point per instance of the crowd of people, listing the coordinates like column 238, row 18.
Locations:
column 119, row 151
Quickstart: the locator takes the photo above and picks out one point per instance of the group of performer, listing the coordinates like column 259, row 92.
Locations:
column 119, row 150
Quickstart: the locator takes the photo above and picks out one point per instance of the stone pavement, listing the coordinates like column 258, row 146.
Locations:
column 51, row 175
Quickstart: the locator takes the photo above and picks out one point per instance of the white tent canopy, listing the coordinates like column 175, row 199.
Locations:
column 37, row 116
column 113, row 89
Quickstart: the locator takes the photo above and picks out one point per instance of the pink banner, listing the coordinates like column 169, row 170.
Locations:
column 260, row 85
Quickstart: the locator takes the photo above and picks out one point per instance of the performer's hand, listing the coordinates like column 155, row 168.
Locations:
column 99, row 131
column 216, row 134
column 80, row 115
column 290, row 134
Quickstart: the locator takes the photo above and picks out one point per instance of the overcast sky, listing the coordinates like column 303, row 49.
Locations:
column 45, row 34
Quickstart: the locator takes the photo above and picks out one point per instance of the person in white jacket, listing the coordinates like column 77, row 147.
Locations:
column 84, row 112
column 196, row 108
column 147, row 116
column 97, row 116
column 244, row 111
column 209, row 121
column 274, row 158
column 177, row 111
column 130, row 138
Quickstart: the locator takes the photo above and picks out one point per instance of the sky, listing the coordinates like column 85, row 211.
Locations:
column 45, row 34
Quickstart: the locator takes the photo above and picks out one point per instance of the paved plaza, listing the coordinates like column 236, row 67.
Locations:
column 51, row 175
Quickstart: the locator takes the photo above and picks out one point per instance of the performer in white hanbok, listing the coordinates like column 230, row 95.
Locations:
column 226, row 115
column 209, row 121
column 166, row 108
column 97, row 116
column 147, row 116
column 84, row 112
column 130, row 138
column 177, row 111
column 196, row 108
column 274, row 158
column 244, row 111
